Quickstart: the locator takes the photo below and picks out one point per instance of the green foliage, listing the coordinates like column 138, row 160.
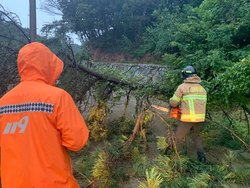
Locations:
column 169, row 170
column 233, row 84
column 76, row 83
column 153, row 179
column 83, row 54
column 112, row 25
column 200, row 175
column 161, row 143
column 108, row 23
column 127, row 126
column 200, row 181
column 225, row 138
column 108, row 167
column 85, row 163
column 97, row 121
column 120, row 126
column 229, row 158
column 213, row 38
column 139, row 162
column 147, row 117
column 101, row 171
column 122, row 75
column 104, row 164
column 157, row 40
column 212, row 35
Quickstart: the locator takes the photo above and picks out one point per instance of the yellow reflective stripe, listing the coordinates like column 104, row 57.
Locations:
column 175, row 98
column 193, row 120
column 187, row 116
column 191, row 106
column 191, row 101
column 195, row 97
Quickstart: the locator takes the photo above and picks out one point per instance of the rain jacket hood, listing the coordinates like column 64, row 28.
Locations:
column 37, row 63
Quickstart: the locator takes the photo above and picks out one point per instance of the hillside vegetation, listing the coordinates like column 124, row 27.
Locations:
column 125, row 151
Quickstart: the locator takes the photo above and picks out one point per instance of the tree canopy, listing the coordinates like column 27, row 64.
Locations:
column 212, row 35
column 110, row 23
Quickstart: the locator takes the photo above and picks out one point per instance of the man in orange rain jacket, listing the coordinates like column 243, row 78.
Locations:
column 39, row 123
column 191, row 98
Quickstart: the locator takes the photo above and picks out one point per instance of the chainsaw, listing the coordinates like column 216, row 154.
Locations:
column 174, row 112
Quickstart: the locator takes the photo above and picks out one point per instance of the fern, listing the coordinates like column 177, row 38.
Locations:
column 163, row 165
column 200, row 181
column 140, row 162
column 97, row 121
column 161, row 143
column 101, row 172
column 230, row 157
column 153, row 179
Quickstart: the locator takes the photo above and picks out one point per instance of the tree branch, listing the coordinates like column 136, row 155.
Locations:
column 14, row 23
column 9, row 38
column 105, row 78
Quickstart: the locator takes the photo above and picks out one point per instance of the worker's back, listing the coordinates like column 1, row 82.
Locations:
column 191, row 97
column 39, row 122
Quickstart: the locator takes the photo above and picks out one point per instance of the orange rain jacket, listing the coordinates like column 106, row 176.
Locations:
column 38, row 123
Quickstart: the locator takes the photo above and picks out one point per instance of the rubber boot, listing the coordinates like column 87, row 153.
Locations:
column 201, row 157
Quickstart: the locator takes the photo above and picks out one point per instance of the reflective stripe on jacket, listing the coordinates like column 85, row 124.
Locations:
column 38, row 124
column 192, row 99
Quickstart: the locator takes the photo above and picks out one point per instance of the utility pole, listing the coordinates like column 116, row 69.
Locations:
column 32, row 20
